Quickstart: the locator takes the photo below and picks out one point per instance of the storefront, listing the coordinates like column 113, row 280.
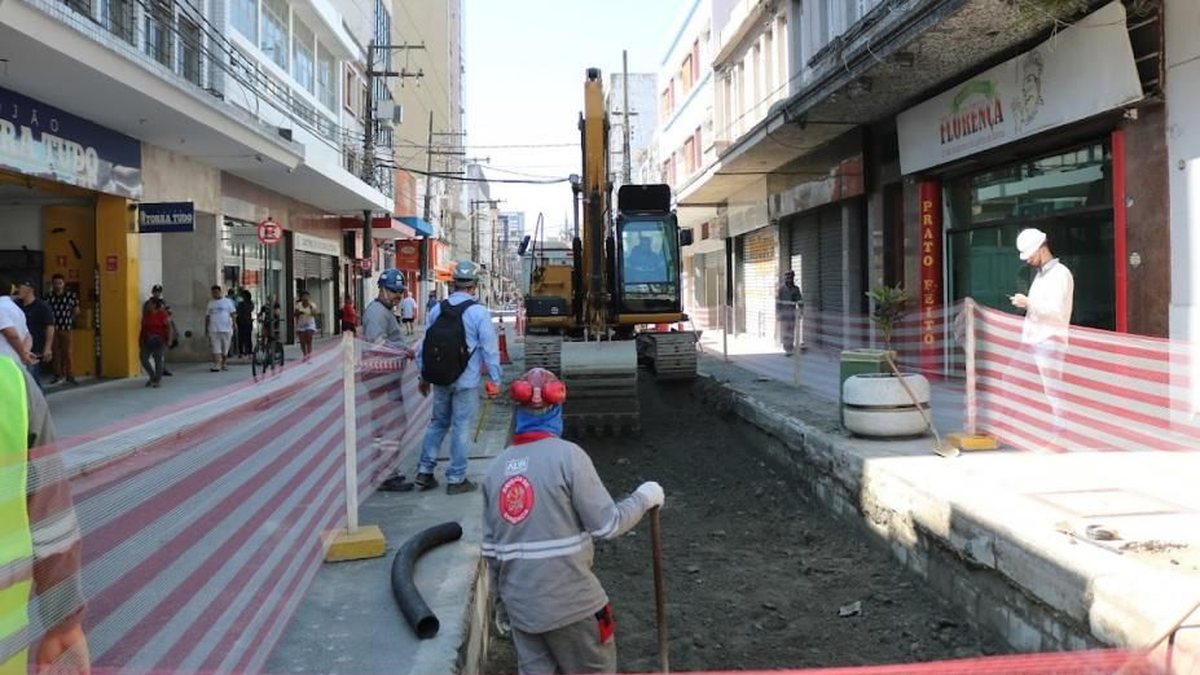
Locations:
column 66, row 185
column 316, row 268
column 1037, row 141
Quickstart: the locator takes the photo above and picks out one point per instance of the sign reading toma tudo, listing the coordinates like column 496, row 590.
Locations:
column 1084, row 70
column 162, row 217
column 42, row 141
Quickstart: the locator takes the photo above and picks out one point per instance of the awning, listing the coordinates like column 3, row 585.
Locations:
column 382, row 228
column 417, row 223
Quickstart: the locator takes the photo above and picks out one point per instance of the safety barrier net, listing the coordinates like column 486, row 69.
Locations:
column 194, row 542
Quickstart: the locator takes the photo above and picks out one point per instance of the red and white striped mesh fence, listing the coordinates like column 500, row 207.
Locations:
column 199, row 541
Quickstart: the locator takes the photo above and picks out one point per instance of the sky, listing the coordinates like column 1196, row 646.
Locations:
column 525, row 66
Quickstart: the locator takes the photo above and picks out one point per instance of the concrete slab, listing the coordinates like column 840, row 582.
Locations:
column 986, row 529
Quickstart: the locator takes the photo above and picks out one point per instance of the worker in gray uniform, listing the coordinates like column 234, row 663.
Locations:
column 380, row 327
column 543, row 505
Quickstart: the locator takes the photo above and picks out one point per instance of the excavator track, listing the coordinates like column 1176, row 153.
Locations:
column 601, row 379
column 671, row 355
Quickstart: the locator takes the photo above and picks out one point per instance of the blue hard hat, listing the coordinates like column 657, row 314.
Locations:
column 391, row 279
column 466, row 272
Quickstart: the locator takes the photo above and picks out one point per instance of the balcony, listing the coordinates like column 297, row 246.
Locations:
column 160, row 73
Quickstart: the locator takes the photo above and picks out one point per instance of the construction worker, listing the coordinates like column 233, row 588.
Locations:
column 39, row 536
column 459, row 340
column 543, row 503
column 380, row 328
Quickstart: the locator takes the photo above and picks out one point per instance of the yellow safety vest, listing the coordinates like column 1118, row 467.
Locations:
column 16, row 540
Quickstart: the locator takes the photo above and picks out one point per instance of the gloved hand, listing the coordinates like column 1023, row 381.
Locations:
column 423, row 387
column 653, row 493
column 491, row 389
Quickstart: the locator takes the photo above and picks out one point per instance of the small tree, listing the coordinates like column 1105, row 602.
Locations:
column 890, row 306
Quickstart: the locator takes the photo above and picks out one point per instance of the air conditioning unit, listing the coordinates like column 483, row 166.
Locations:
column 389, row 112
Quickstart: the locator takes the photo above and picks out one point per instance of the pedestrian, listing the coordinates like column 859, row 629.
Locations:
column 1048, row 306
column 380, row 328
column 349, row 316
column 306, row 313
column 41, row 534
column 408, row 312
column 245, row 324
column 153, row 339
column 788, row 304
column 430, row 303
column 39, row 320
column 156, row 293
column 218, row 327
column 543, row 504
column 17, row 343
column 459, row 340
column 65, row 305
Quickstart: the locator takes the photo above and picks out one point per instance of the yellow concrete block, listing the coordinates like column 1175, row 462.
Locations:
column 964, row 441
column 365, row 542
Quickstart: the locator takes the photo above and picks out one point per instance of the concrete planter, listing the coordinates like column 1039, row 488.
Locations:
column 877, row 406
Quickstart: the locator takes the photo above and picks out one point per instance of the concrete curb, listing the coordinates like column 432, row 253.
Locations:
column 1034, row 586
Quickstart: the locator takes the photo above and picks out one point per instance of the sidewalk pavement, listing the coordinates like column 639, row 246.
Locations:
column 1051, row 551
column 818, row 371
column 350, row 622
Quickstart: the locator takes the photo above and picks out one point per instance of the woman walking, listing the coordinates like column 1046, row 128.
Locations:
column 306, row 323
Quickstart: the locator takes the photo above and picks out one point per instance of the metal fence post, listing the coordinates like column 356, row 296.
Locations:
column 969, row 349
column 351, row 435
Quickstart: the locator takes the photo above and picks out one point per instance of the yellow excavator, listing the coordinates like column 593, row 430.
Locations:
column 593, row 312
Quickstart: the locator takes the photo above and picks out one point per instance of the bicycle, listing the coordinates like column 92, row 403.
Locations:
column 268, row 350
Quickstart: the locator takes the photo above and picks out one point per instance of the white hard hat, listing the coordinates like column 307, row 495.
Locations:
column 1029, row 241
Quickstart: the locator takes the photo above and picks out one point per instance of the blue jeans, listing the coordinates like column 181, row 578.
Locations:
column 453, row 411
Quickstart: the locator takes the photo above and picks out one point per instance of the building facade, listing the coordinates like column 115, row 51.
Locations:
column 844, row 129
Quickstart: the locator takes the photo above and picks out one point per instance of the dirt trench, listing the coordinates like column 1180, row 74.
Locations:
column 757, row 576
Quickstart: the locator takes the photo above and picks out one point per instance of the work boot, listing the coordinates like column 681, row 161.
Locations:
column 460, row 488
column 426, row 481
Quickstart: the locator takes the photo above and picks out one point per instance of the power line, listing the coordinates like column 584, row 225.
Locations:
column 465, row 179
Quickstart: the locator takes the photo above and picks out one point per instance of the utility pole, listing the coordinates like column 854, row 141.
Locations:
column 625, row 164
column 425, row 251
column 368, row 155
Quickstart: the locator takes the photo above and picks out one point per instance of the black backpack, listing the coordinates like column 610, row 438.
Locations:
column 444, row 354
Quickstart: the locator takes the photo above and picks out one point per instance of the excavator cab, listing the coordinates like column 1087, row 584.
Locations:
column 647, row 272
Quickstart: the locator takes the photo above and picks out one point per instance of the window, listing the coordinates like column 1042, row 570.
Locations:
column 689, row 156
column 189, row 50
column 649, row 265
column 274, row 40
column 158, row 32
column 349, row 87
column 245, row 18
column 698, row 160
column 326, row 87
column 84, row 7
column 685, row 75
column 303, row 42
column 118, row 19
column 696, row 61
column 664, row 107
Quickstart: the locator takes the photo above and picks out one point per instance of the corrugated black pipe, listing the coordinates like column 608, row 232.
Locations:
column 412, row 605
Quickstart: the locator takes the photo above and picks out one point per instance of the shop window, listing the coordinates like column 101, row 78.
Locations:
column 274, row 39
column 1067, row 195
column 303, row 57
column 245, row 17
column 1055, row 184
column 190, row 46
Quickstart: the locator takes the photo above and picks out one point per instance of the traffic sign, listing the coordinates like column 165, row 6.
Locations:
column 269, row 231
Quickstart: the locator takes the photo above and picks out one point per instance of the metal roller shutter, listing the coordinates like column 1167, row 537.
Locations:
column 760, row 272
column 805, row 247
column 832, row 271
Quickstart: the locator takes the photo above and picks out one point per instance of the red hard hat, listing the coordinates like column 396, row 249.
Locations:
column 538, row 388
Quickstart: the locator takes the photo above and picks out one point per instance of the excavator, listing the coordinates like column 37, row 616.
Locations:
column 596, row 311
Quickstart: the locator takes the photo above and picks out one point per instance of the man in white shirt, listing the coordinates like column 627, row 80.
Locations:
column 218, row 327
column 1047, row 315
column 15, row 340
column 408, row 312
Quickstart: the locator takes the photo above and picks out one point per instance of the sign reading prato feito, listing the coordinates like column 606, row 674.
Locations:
column 1084, row 70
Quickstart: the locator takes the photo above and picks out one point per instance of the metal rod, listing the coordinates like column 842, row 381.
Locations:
column 971, row 382
column 660, row 591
